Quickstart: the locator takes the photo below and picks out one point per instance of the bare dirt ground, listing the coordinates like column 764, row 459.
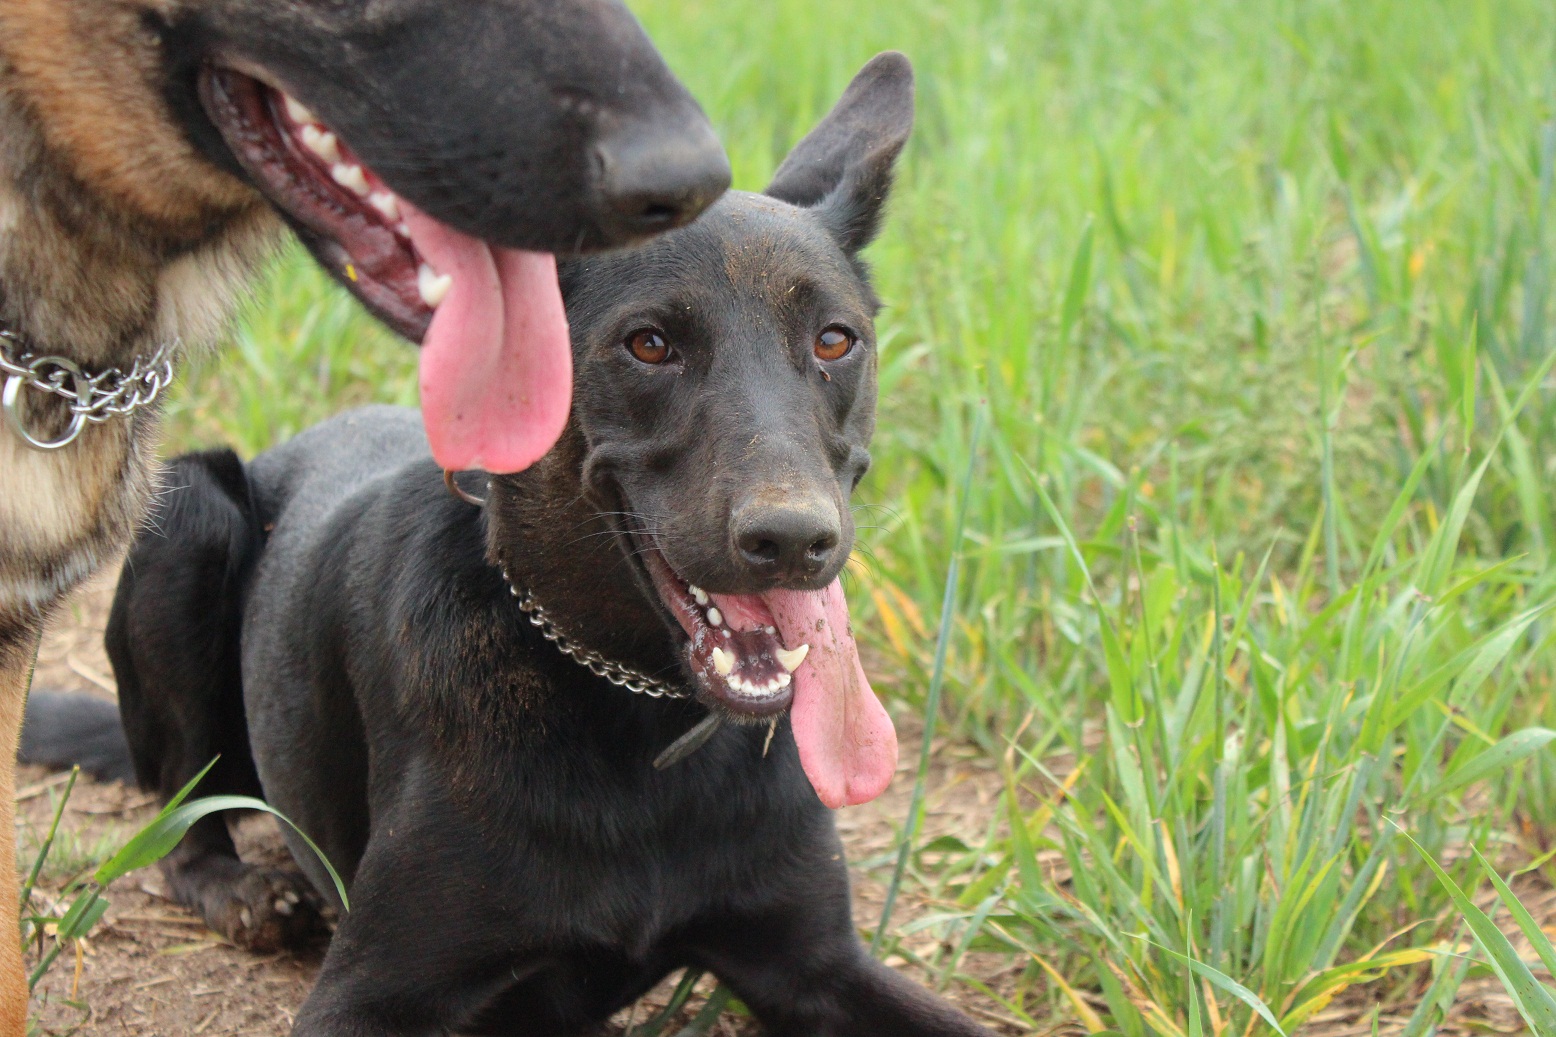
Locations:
column 151, row 968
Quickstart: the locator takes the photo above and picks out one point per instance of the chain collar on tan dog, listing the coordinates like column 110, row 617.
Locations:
column 92, row 398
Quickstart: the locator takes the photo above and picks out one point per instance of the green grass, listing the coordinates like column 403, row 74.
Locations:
column 1256, row 556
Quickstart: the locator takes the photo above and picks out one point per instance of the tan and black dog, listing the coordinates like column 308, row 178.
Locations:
column 432, row 155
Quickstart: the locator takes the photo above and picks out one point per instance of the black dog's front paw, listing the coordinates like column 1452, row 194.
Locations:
column 266, row 910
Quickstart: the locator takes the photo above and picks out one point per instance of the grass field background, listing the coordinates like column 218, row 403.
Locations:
column 1234, row 319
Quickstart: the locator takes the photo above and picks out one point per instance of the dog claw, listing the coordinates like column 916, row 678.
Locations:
column 283, row 908
column 246, row 918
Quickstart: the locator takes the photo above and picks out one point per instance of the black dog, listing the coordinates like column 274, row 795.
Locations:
column 416, row 670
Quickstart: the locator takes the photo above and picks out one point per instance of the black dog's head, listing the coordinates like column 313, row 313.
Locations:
column 414, row 145
column 726, row 380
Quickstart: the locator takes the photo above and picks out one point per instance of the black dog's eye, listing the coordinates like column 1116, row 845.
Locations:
column 649, row 346
column 834, row 343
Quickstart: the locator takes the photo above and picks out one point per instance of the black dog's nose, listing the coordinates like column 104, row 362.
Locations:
column 788, row 541
column 652, row 181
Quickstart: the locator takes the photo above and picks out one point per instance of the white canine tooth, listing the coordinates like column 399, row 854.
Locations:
column 723, row 662
column 784, row 680
column 715, row 616
column 322, row 143
column 387, row 204
column 351, row 178
column 698, row 594
column 790, row 659
column 771, row 631
column 298, row 113
column 432, row 285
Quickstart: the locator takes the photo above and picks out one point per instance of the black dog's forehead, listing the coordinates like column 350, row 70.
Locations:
column 748, row 248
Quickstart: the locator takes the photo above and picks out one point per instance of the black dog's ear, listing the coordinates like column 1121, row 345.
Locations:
column 843, row 168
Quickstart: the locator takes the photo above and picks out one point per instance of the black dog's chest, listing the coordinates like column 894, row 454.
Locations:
column 634, row 858
column 644, row 871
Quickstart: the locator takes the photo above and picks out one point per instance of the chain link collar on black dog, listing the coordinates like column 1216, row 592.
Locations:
column 93, row 398
column 635, row 681
column 622, row 676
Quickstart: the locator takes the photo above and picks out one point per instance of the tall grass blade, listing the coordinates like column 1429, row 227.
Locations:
column 936, row 682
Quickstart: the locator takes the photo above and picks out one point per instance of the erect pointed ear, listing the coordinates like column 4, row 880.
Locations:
column 843, row 168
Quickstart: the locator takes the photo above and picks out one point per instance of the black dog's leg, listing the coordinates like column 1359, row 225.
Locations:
column 805, row 974
column 173, row 638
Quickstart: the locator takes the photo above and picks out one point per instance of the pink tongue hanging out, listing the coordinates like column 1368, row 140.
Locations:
column 847, row 743
column 496, row 367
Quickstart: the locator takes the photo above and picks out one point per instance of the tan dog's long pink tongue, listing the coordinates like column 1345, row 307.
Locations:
column 847, row 743
column 496, row 366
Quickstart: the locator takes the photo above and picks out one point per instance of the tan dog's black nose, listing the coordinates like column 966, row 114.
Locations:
column 652, row 181
column 787, row 541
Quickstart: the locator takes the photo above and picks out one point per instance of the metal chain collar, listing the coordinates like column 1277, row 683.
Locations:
column 92, row 398
column 619, row 675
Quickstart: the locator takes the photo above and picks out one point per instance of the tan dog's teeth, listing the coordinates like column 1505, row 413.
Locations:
column 723, row 662
column 322, row 143
column 298, row 113
column 351, row 178
column 790, row 659
column 432, row 285
column 715, row 617
column 699, row 595
column 387, row 204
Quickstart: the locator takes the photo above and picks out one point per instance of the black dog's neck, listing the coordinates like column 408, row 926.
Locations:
column 556, row 543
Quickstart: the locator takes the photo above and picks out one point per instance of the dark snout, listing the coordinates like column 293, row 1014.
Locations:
column 783, row 538
column 549, row 125
column 653, row 177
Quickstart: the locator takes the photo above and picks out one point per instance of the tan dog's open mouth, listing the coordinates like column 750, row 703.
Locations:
column 496, row 366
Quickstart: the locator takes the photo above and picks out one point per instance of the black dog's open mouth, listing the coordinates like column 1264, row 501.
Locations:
column 756, row 655
column 732, row 643
column 311, row 174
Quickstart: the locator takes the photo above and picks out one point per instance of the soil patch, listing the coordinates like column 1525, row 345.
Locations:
column 152, row 968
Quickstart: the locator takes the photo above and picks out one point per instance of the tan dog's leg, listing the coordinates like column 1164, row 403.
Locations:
column 16, row 660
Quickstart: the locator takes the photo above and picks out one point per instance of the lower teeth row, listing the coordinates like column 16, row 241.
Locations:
column 724, row 661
